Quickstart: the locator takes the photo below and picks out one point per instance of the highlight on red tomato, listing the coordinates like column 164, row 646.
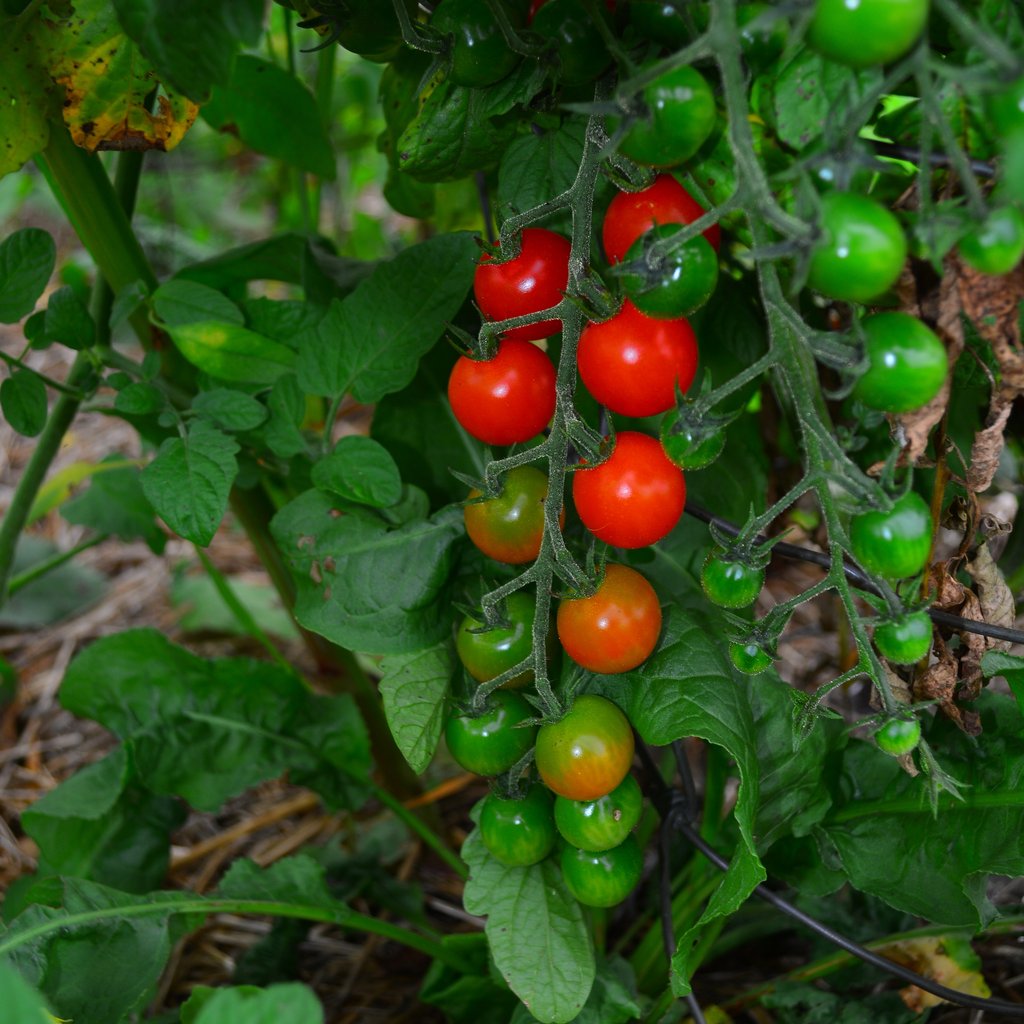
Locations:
column 587, row 752
column 510, row 527
column 632, row 363
column 506, row 399
column 616, row 628
column 635, row 497
column 528, row 283
column 630, row 214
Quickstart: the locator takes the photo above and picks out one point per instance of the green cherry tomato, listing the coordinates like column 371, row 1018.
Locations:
column 661, row 22
column 487, row 653
column 603, row 879
column 997, row 245
column 866, row 32
column 510, row 527
column 587, row 753
column 906, row 640
column 730, row 584
column 1006, row 109
column 519, row 832
column 582, row 54
column 679, row 115
column 689, row 447
column 861, row 251
column 480, row 56
column 899, row 736
column 894, row 544
column 597, row 825
column 366, row 28
column 491, row 743
column 761, row 45
column 750, row 658
column 671, row 284
column 907, row 363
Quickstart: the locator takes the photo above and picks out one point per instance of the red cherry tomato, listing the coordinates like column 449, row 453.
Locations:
column 635, row 497
column 632, row 362
column 630, row 214
column 506, row 399
column 616, row 628
column 530, row 282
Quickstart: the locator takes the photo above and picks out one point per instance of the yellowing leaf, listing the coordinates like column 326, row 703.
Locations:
column 107, row 80
column 229, row 352
column 947, row 959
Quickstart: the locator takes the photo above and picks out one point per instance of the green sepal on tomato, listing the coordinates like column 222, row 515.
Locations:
column 479, row 55
column 519, row 831
column 669, row 284
column 606, row 878
column 492, row 742
column 488, row 652
column 587, row 752
column 616, row 628
column 604, row 823
column 895, row 543
column 729, row 583
column 906, row 639
column 899, row 736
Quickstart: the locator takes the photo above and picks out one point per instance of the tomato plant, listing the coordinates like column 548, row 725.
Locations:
column 487, row 652
column 896, row 543
column 491, row 742
column 630, row 214
column 506, row 399
column 616, row 628
column 635, row 497
column 519, row 831
column 604, row 823
column 633, row 363
column 861, row 250
column 907, row 363
column 899, row 736
column 905, row 640
column 868, row 32
column 586, row 753
column 674, row 284
column 529, row 282
column 606, row 878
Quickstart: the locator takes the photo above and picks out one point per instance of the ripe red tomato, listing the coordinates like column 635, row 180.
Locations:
column 616, row 628
column 586, row 754
column 529, row 283
column 630, row 214
column 506, row 399
column 635, row 497
column 632, row 362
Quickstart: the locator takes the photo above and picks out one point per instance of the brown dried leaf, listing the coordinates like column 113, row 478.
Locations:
column 994, row 597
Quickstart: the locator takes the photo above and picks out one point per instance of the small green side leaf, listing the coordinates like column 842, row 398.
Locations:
column 27, row 259
column 414, row 687
column 230, row 410
column 290, row 1003
column 21, row 1002
column 180, row 301
column 23, row 400
column 232, row 353
column 68, row 320
column 360, row 470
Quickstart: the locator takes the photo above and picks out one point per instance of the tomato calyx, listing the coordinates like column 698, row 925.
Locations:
column 691, row 439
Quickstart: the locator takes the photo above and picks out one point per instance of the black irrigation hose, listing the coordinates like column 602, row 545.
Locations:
column 678, row 812
column 857, row 576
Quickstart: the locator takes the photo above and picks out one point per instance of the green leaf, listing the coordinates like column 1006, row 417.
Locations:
column 414, row 688
column 282, row 320
column 232, row 353
column 811, row 92
column 537, row 167
column 179, row 302
column 539, row 939
column 26, row 104
column 229, row 410
column 890, row 844
column 290, row 1003
column 100, row 824
column 203, row 609
column 287, row 405
column 24, row 403
column 68, row 320
column 115, row 503
column 363, row 585
column 472, row 995
column 192, row 43
column 360, row 470
column 272, row 112
column 139, row 399
column 27, row 258
column 189, row 481
column 21, row 1002
column 612, row 1000
column 207, row 730
column 1010, row 666
column 370, row 343
column 59, row 486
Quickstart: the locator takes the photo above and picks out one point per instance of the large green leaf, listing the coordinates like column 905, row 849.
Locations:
column 290, row 1003
column 232, row 353
column 20, row 1000
column 27, row 96
column 537, row 167
column 414, row 688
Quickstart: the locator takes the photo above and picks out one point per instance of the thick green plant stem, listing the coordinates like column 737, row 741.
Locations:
column 23, row 579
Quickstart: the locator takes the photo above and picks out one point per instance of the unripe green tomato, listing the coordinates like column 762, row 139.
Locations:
column 750, row 658
column 996, row 246
column 519, row 832
column 689, row 448
column 480, row 56
column 487, row 654
column 679, row 284
column 907, row 363
column 861, row 251
column 1006, row 109
column 606, row 878
column 906, row 640
column 660, row 22
column 764, row 45
column 894, row 544
column 491, row 743
column 730, row 584
column 860, row 33
column 597, row 825
column 582, row 54
column 371, row 30
column 899, row 736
